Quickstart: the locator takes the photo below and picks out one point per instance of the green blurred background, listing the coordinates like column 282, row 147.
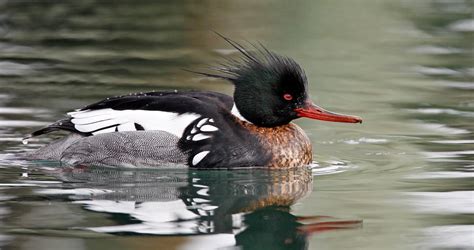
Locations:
column 406, row 67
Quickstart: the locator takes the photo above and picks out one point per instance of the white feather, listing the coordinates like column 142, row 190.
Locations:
column 107, row 130
column 130, row 126
column 198, row 157
column 208, row 128
column 201, row 122
column 93, row 120
column 199, row 137
column 98, row 125
column 89, row 113
column 235, row 111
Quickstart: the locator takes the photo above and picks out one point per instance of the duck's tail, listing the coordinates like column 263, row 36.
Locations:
column 61, row 125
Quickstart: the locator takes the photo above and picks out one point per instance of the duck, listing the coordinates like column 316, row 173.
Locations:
column 199, row 129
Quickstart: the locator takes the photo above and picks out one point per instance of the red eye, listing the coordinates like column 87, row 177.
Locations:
column 288, row 97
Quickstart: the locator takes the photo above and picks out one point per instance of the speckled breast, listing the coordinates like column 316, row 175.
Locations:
column 288, row 145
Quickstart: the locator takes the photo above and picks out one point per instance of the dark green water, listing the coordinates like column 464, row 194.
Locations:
column 401, row 180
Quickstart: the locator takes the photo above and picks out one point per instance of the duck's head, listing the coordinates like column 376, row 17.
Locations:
column 272, row 90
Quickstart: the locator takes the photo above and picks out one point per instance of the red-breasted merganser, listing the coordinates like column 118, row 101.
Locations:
column 200, row 129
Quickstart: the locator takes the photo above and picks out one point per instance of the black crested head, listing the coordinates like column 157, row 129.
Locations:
column 268, row 87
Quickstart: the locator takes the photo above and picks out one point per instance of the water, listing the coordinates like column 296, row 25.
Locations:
column 401, row 180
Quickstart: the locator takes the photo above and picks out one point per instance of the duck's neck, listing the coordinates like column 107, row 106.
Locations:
column 288, row 144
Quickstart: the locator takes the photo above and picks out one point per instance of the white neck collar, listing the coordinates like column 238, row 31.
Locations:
column 235, row 111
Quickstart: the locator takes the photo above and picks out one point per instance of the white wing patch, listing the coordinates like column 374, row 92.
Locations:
column 199, row 137
column 198, row 157
column 109, row 120
column 208, row 128
column 202, row 129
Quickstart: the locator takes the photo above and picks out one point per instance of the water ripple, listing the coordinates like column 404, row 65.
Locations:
column 436, row 71
column 454, row 142
column 447, row 154
column 435, row 50
column 437, row 111
column 22, row 123
column 443, row 202
column 466, row 25
column 14, row 69
column 366, row 140
column 449, row 237
column 441, row 175
column 12, row 110
column 458, row 85
column 443, row 129
column 330, row 167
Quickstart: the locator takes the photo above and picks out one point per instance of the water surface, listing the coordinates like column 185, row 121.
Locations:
column 401, row 180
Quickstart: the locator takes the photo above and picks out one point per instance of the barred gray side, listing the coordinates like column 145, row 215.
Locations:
column 131, row 149
column 54, row 150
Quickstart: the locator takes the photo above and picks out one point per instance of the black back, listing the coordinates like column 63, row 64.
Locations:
column 200, row 102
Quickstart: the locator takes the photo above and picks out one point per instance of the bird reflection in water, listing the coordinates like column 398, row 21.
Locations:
column 248, row 208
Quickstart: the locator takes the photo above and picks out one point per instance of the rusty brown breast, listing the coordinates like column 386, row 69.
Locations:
column 288, row 145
